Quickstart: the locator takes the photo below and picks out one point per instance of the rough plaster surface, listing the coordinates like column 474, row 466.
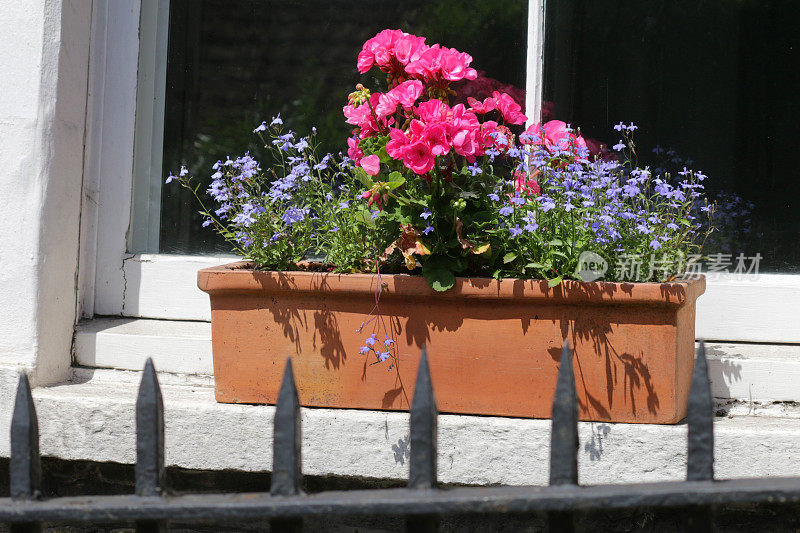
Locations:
column 21, row 26
column 92, row 418
column 43, row 61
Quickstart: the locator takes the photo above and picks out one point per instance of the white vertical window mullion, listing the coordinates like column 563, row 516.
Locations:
column 149, row 141
column 535, row 61
column 111, row 113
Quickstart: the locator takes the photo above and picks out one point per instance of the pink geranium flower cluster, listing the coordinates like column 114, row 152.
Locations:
column 436, row 130
column 406, row 56
column 415, row 113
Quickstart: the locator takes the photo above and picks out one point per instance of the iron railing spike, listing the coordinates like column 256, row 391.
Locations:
column 700, row 421
column 564, row 438
column 287, row 459
column 423, row 429
column 25, row 463
column 150, row 475
column 423, row 439
column 287, row 470
column 700, row 439
column 564, row 434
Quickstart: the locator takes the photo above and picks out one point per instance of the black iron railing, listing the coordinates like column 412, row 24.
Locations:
column 422, row 503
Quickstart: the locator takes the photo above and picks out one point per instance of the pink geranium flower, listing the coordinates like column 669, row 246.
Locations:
column 486, row 106
column 463, row 118
column 409, row 48
column 353, row 150
column 407, row 93
column 455, row 65
column 398, row 141
column 524, row 184
column 355, row 115
column 426, row 65
column 418, row 158
column 365, row 61
column 511, row 111
column 435, row 136
column 482, row 88
column 363, row 116
column 465, row 143
column 381, row 51
column 556, row 136
column 387, row 105
column 433, row 111
column 371, row 164
column 534, row 135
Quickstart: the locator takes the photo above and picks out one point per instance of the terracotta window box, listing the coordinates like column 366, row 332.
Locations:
column 493, row 345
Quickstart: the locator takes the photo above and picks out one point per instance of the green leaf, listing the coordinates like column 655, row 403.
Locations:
column 509, row 257
column 440, row 279
column 363, row 177
column 556, row 242
column 398, row 215
column 365, row 217
column 395, row 180
column 537, row 266
column 383, row 155
column 437, row 272
column 481, row 248
column 555, row 281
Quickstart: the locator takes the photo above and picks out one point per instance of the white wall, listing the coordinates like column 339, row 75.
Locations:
column 43, row 78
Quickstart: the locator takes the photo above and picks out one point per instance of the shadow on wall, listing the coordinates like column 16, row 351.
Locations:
column 722, row 371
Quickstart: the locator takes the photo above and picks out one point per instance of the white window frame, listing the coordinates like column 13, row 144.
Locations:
column 123, row 139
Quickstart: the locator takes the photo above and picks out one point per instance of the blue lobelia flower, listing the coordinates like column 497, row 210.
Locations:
column 547, row 203
column 474, row 169
column 293, row 215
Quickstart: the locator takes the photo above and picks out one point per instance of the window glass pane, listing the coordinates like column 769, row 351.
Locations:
column 232, row 64
column 713, row 82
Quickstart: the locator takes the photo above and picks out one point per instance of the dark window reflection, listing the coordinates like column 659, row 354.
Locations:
column 715, row 82
column 232, row 64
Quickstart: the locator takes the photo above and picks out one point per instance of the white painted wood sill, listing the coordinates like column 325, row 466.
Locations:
column 740, row 371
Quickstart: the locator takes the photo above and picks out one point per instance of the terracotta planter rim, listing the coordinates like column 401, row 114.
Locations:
column 239, row 277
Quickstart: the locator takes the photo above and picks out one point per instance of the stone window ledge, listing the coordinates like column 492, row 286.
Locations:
column 91, row 417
